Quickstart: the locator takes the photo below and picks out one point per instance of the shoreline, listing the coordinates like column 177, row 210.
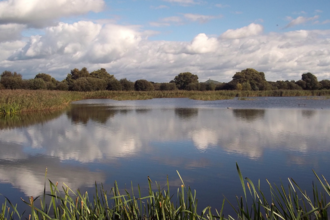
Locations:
column 45, row 100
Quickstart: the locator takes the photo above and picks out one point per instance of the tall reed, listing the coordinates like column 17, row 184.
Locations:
column 291, row 203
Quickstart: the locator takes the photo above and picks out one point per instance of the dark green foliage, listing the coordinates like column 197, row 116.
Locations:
column 250, row 79
column 101, row 74
column 62, row 86
column 126, row 85
column 76, row 73
column 193, row 86
column 50, row 85
column 167, row 86
column 310, row 80
column 284, row 85
column 88, row 84
column 143, row 85
column 184, row 79
column 37, row 83
column 114, row 85
column 325, row 84
column 11, row 80
column 45, row 77
column 156, row 86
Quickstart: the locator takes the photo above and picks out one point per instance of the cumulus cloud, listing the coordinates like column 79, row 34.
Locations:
column 300, row 20
column 199, row 18
column 127, row 52
column 248, row 31
column 40, row 13
column 203, row 44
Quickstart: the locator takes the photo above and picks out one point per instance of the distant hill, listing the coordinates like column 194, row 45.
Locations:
column 212, row 81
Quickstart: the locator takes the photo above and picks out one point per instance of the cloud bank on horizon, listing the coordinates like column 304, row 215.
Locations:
column 156, row 40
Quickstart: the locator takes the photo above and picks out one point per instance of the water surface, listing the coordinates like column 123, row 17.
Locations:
column 107, row 140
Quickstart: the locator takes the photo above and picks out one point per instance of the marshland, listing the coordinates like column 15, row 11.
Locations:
column 165, row 153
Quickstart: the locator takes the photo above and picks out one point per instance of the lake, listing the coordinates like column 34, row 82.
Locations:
column 106, row 140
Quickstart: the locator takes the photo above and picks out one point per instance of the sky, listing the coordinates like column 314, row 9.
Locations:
column 158, row 39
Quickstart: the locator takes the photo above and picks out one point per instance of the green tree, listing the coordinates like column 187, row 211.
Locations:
column 143, row 85
column 250, row 76
column 167, row 86
column 310, row 80
column 126, row 85
column 37, row 84
column 325, row 84
column 11, row 80
column 62, row 86
column 114, row 85
column 184, row 79
column 101, row 74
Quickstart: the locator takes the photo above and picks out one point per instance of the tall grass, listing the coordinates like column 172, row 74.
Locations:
column 32, row 100
column 285, row 203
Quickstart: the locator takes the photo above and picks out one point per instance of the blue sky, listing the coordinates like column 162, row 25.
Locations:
column 158, row 39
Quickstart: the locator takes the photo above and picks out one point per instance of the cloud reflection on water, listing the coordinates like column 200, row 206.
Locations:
column 106, row 134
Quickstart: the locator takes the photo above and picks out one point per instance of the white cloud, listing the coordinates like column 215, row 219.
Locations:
column 126, row 52
column 251, row 30
column 300, row 20
column 326, row 21
column 203, row 44
column 199, row 18
column 41, row 13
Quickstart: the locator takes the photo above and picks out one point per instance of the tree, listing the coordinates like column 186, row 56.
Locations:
column 167, row 86
column 310, row 80
column 250, row 76
column 143, row 85
column 184, row 79
column 76, row 73
column 126, row 85
column 101, row 74
column 11, row 80
column 37, row 83
column 325, row 84
column 114, row 85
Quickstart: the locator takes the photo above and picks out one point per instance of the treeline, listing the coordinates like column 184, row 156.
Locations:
column 83, row 80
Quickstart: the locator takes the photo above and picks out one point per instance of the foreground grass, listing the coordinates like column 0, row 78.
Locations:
column 32, row 100
column 290, row 203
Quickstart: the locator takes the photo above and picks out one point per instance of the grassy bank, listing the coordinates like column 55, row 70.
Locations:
column 36, row 100
column 285, row 203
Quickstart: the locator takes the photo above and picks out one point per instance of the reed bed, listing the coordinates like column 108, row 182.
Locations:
column 36, row 100
column 285, row 203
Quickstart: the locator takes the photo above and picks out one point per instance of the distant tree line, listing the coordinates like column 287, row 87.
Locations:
column 83, row 80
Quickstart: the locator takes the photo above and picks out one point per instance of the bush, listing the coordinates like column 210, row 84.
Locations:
column 168, row 86
column 114, row 85
column 12, row 82
column 62, row 86
column 143, row 85
column 126, row 85
column 193, row 86
column 88, row 84
column 37, row 83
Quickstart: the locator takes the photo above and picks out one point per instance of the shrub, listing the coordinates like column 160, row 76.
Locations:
column 114, row 85
column 126, row 85
column 143, row 85
column 168, row 86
